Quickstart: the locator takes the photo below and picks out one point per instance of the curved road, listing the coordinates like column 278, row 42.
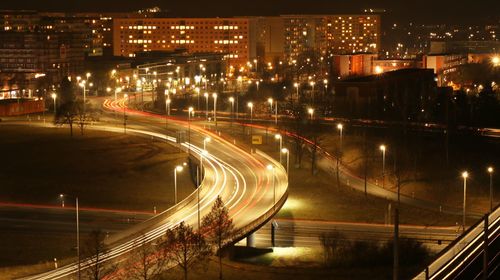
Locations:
column 251, row 192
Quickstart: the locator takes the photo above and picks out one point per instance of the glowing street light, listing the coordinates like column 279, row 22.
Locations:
column 206, row 105
column 383, row 149
column 231, row 100
column 495, row 60
column 125, row 97
column 250, row 105
column 311, row 113
column 77, row 230
column 465, row 174
column 279, row 137
column 490, row 171
column 190, row 112
column 273, row 170
column 54, row 96
column 178, row 168
column 287, row 152
column 340, row 127
column 214, row 95
column 296, row 85
column 205, row 141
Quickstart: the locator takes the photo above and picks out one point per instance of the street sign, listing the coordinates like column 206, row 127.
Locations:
column 257, row 139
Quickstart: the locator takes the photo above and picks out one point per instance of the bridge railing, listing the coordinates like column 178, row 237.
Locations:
column 281, row 197
column 452, row 250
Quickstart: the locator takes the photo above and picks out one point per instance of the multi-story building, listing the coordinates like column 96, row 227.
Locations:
column 338, row 34
column 229, row 36
column 248, row 38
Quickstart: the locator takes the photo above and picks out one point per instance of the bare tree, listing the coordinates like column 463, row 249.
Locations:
column 93, row 251
column 219, row 227
column 66, row 111
column 185, row 248
column 146, row 262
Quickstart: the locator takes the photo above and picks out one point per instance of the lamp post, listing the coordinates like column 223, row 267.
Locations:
column 77, row 231
column 250, row 105
column 231, row 100
column 490, row 171
column 465, row 174
column 383, row 149
column 125, row 96
column 206, row 104
column 190, row 111
column 202, row 154
column 178, row 168
column 54, row 96
column 270, row 101
column 311, row 113
column 272, row 169
column 312, row 83
column 214, row 95
column 340, row 127
column 279, row 137
column 325, row 82
column 205, row 140
column 287, row 152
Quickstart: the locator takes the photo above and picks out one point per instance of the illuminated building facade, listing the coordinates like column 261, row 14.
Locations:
column 338, row 34
column 229, row 36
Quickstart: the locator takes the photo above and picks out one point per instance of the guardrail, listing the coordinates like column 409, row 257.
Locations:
column 256, row 224
column 453, row 250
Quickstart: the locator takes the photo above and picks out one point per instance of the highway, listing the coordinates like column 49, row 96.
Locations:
column 306, row 233
column 46, row 219
column 251, row 192
column 327, row 162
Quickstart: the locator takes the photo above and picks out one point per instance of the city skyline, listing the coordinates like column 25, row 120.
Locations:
column 425, row 11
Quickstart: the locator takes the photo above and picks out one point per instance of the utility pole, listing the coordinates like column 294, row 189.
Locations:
column 485, row 248
column 395, row 275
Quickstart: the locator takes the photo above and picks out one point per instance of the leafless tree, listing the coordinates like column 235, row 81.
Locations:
column 93, row 251
column 220, row 228
column 185, row 248
column 146, row 262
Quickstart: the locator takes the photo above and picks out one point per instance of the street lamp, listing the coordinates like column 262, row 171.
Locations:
column 190, row 111
column 325, row 82
column 287, row 152
column 202, row 154
column 279, row 137
column 383, row 148
column 125, row 96
column 490, row 171
column 231, row 100
column 250, row 105
column 206, row 105
column 465, row 174
column 178, row 168
column 214, row 95
column 77, row 230
column 272, row 169
column 495, row 60
column 205, row 141
column 270, row 101
column 312, row 83
column 296, row 85
column 340, row 127
column 54, row 96
column 311, row 113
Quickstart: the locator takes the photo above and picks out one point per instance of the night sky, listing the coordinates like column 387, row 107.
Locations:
column 429, row 11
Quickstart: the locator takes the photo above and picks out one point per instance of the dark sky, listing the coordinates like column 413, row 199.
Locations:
column 430, row 11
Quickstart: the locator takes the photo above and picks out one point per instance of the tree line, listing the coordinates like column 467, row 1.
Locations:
column 181, row 247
